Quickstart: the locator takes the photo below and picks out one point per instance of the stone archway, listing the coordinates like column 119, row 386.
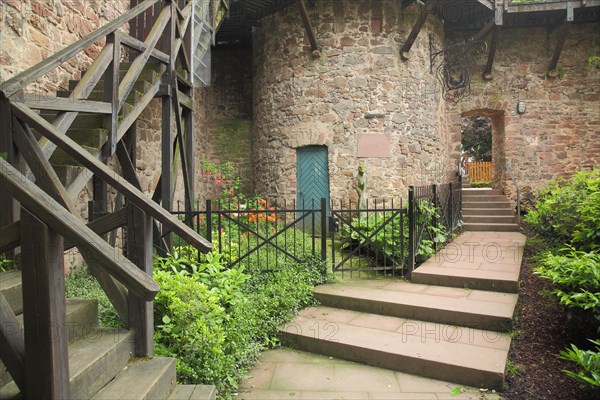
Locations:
column 498, row 141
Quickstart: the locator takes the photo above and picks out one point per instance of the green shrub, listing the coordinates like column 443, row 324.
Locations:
column 588, row 362
column 387, row 240
column 481, row 184
column 569, row 211
column 575, row 276
column 215, row 320
column 79, row 283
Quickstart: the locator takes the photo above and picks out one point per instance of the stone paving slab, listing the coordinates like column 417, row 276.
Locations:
column 284, row 374
column 479, row 260
column 472, row 308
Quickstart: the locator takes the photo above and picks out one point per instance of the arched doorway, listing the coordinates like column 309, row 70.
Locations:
column 495, row 119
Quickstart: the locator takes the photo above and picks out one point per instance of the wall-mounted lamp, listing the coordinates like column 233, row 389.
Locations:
column 521, row 106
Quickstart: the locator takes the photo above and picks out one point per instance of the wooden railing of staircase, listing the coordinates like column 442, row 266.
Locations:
column 38, row 212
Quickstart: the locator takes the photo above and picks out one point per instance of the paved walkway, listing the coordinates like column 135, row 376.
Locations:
column 469, row 283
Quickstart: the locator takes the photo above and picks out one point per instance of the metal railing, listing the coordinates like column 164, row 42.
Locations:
column 518, row 193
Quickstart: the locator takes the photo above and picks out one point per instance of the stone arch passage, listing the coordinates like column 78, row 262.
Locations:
column 498, row 141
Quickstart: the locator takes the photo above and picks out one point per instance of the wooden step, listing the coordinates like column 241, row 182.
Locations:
column 193, row 392
column 141, row 380
column 463, row 355
column 82, row 320
column 11, row 289
column 457, row 306
column 93, row 362
column 82, row 121
column 59, row 157
column 145, row 75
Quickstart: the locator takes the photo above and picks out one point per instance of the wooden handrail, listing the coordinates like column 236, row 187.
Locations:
column 134, row 195
column 19, row 81
column 54, row 215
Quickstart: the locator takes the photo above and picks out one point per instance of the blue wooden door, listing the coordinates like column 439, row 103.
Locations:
column 312, row 177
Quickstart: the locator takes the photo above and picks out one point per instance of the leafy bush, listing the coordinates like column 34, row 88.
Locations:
column 587, row 360
column 216, row 320
column 79, row 283
column 569, row 211
column 387, row 240
column 575, row 276
column 481, row 184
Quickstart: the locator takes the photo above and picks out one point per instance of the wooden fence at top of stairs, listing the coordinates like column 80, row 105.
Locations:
column 41, row 137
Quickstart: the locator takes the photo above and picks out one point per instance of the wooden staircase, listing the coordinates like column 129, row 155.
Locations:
column 51, row 147
column 101, row 365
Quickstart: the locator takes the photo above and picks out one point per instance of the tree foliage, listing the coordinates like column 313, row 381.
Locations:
column 477, row 138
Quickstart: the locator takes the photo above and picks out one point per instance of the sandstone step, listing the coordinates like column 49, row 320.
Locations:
column 486, row 204
column 471, row 197
column 457, row 306
column 11, row 289
column 494, row 227
column 480, row 191
column 193, row 392
column 463, row 355
column 499, row 281
column 489, row 219
column 488, row 211
column 93, row 362
column 82, row 320
column 144, row 379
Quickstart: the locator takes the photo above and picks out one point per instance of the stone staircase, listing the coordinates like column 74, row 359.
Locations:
column 100, row 363
column 452, row 323
column 485, row 209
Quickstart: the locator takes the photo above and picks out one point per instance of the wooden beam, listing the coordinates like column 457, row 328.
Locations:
column 62, row 104
column 190, row 145
column 54, row 215
column 562, row 38
column 40, row 166
column 64, row 120
column 84, row 176
column 314, row 45
column 182, row 150
column 185, row 100
column 8, row 206
column 425, row 11
column 12, row 344
column 548, row 6
column 19, row 81
column 133, row 43
column 487, row 72
column 111, row 177
column 128, row 170
column 111, row 94
column 139, row 251
column 138, row 64
column 10, row 236
column 44, row 310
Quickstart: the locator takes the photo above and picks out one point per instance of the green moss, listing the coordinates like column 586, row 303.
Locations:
column 233, row 139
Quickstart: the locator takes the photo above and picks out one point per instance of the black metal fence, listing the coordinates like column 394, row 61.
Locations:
column 389, row 236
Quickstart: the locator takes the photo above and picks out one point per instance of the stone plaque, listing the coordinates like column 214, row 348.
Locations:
column 373, row 146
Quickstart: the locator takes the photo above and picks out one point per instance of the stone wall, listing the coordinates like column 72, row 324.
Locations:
column 560, row 131
column 226, row 136
column 359, row 85
column 32, row 30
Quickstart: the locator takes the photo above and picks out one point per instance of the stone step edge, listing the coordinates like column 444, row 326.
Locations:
column 445, row 310
column 418, row 357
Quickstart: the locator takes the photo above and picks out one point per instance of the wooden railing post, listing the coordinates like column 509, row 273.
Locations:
column 111, row 93
column 8, row 206
column 139, row 251
column 44, row 311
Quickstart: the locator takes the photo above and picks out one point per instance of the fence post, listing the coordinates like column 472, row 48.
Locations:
column 324, row 232
column 411, row 228
column 209, row 220
column 451, row 208
column 434, row 220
